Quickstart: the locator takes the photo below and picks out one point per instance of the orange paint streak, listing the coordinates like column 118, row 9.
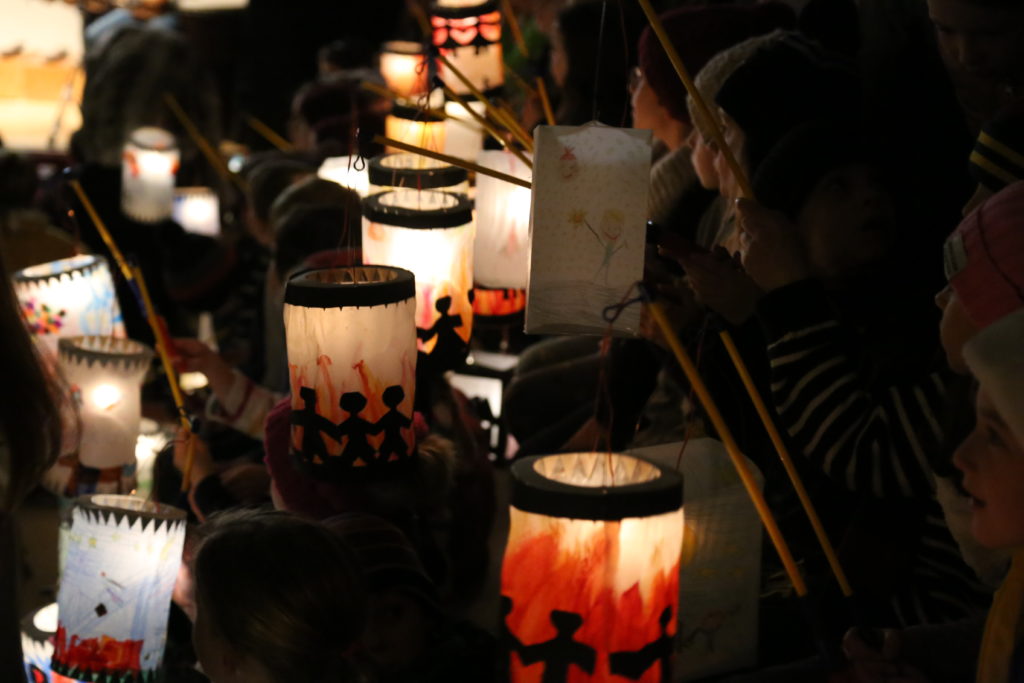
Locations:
column 96, row 654
column 498, row 302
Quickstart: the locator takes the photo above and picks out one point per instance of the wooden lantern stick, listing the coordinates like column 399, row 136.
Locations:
column 513, row 25
column 495, row 113
column 269, row 134
column 212, row 156
column 454, row 161
column 101, row 228
column 512, row 123
column 702, row 108
column 486, row 125
column 738, row 461
column 545, row 101
column 787, row 462
column 420, row 15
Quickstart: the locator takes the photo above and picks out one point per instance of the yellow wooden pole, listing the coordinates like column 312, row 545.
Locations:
column 454, row 161
column 269, row 134
column 487, row 126
column 545, row 101
column 212, row 155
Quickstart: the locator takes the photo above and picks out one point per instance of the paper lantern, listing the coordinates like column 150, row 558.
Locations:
column 590, row 579
column 105, row 376
column 352, row 364
column 38, row 630
column 501, row 250
column 151, row 441
column 463, row 136
column 115, row 595
column 468, row 34
column 415, row 172
column 415, row 127
column 404, row 68
column 197, row 210
column 498, row 303
column 431, row 234
column 148, row 169
column 347, row 171
column 69, row 297
column 588, row 222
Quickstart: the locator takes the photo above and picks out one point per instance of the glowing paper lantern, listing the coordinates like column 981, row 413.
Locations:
column 587, row 227
column 415, row 172
column 463, row 136
column 415, row 127
column 431, row 234
column 501, row 251
column 148, row 169
column 69, row 297
column 590, row 579
column 115, row 595
column 197, row 210
column 404, row 68
column 38, row 630
column 352, row 362
column 498, row 303
column 105, row 375
column 468, row 34
column 347, row 171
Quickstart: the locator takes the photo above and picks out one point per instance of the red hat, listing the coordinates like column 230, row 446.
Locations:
column 984, row 257
column 699, row 33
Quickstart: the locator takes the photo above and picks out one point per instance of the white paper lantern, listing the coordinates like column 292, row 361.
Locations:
column 69, row 297
column 501, row 251
column 105, row 376
column 197, row 210
column 115, row 595
column 347, row 171
column 38, row 630
column 415, row 172
column 431, row 234
column 415, row 127
column 468, row 34
column 463, row 136
column 148, row 170
column 352, row 364
column 404, row 68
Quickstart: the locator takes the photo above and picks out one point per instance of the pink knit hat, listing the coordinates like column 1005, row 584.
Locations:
column 984, row 257
column 996, row 359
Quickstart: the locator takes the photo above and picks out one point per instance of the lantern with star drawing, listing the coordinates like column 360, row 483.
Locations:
column 468, row 34
column 415, row 172
column 148, row 169
column 123, row 557
column 351, row 341
column 404, row 68
column 431, row 234
column 72, row 296
column 590, row 578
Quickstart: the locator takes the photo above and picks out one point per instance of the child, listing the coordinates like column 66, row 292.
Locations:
column 278, row 599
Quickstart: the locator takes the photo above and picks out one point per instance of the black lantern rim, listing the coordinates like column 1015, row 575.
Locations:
column 350, row 286
column 463, row 12
column 169, row 143
column 460, row 213
column 30, row 629
column 437, row 177
column 534, row 492
column 107, row 506
column 409, row 48
column 82, row 264
column 403, row 111
column 106, row 350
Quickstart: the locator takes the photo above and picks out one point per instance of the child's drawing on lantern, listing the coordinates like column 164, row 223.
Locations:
column 568, row 164
column 608, row 235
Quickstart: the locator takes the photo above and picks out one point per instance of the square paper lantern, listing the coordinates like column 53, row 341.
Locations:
column 351, row 341
column 197, row 210
column 415, row 127
column 590, row 579
column 69, row 297
column 431, row 234
column 123, row 557
column 468, row 34
column 347, row 171
column 404, row 68
column 415, row 172
column 463, row 136
column 588, row 223
column 148, row 169
column 38, row 630
column 501, row 251
column 105, row 376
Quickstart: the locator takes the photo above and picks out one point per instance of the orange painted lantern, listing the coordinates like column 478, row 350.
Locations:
column 590, row 579
column 468, row 33
column 352, row 365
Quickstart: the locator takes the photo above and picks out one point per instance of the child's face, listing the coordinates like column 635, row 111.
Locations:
column 992, row 460
column 703, row 158
column 955, row 329
column 977, row 42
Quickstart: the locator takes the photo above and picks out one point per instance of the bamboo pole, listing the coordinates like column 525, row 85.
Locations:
column 512, row 123
column 454, row 161
column 486, row 125
column 513, row 25
column 212, row 156
column 495, row 113
column 269, row 134
column 545, row 101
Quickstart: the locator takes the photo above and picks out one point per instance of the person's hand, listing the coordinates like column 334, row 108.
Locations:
column 774, row 253
column 680, row 307
column 202, row 463
column 877, row 664
column 195, row 356
column 718, row 282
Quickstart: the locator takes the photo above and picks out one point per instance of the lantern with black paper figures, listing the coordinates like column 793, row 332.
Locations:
column 351, row 341
column 590, row 578
column 468, row 34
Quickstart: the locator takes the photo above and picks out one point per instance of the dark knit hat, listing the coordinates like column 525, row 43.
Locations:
column 785, row 83
column 699, row 33
column 998, row 156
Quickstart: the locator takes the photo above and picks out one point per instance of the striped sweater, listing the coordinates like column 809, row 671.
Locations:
column 873, row 438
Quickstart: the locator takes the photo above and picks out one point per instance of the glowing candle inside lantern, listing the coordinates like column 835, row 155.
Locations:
column 347, row 171
column 501, row 251
column 415, row 172
column 468, row 33
column 404, row 68
column 148, row 169
column 415, row 127
column 197, row 210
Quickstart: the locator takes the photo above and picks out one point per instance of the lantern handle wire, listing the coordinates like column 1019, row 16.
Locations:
column 513, row 25
column 731, row 447
column 454, row 161
column 269, row 134
column 212, row 156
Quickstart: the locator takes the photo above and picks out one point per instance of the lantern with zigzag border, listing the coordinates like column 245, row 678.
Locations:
column 148, row 170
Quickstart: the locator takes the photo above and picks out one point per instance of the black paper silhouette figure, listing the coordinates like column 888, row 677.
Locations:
column 312, row 424
column 356, row 429
column 632, row 665
column 561, row 651
column 507, row 642
column 449, row 347
column 392, row 423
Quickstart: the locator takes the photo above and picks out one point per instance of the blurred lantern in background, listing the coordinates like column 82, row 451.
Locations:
column 351, row 339
column 404, row 68
column 415, row 172
column 415, row 127
column 197, row 210
column 431, row 234
column 148, row 169
column 468, row 34
column 347, row 171
column 38, row 630
column 590, row 578
column 463, row 136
